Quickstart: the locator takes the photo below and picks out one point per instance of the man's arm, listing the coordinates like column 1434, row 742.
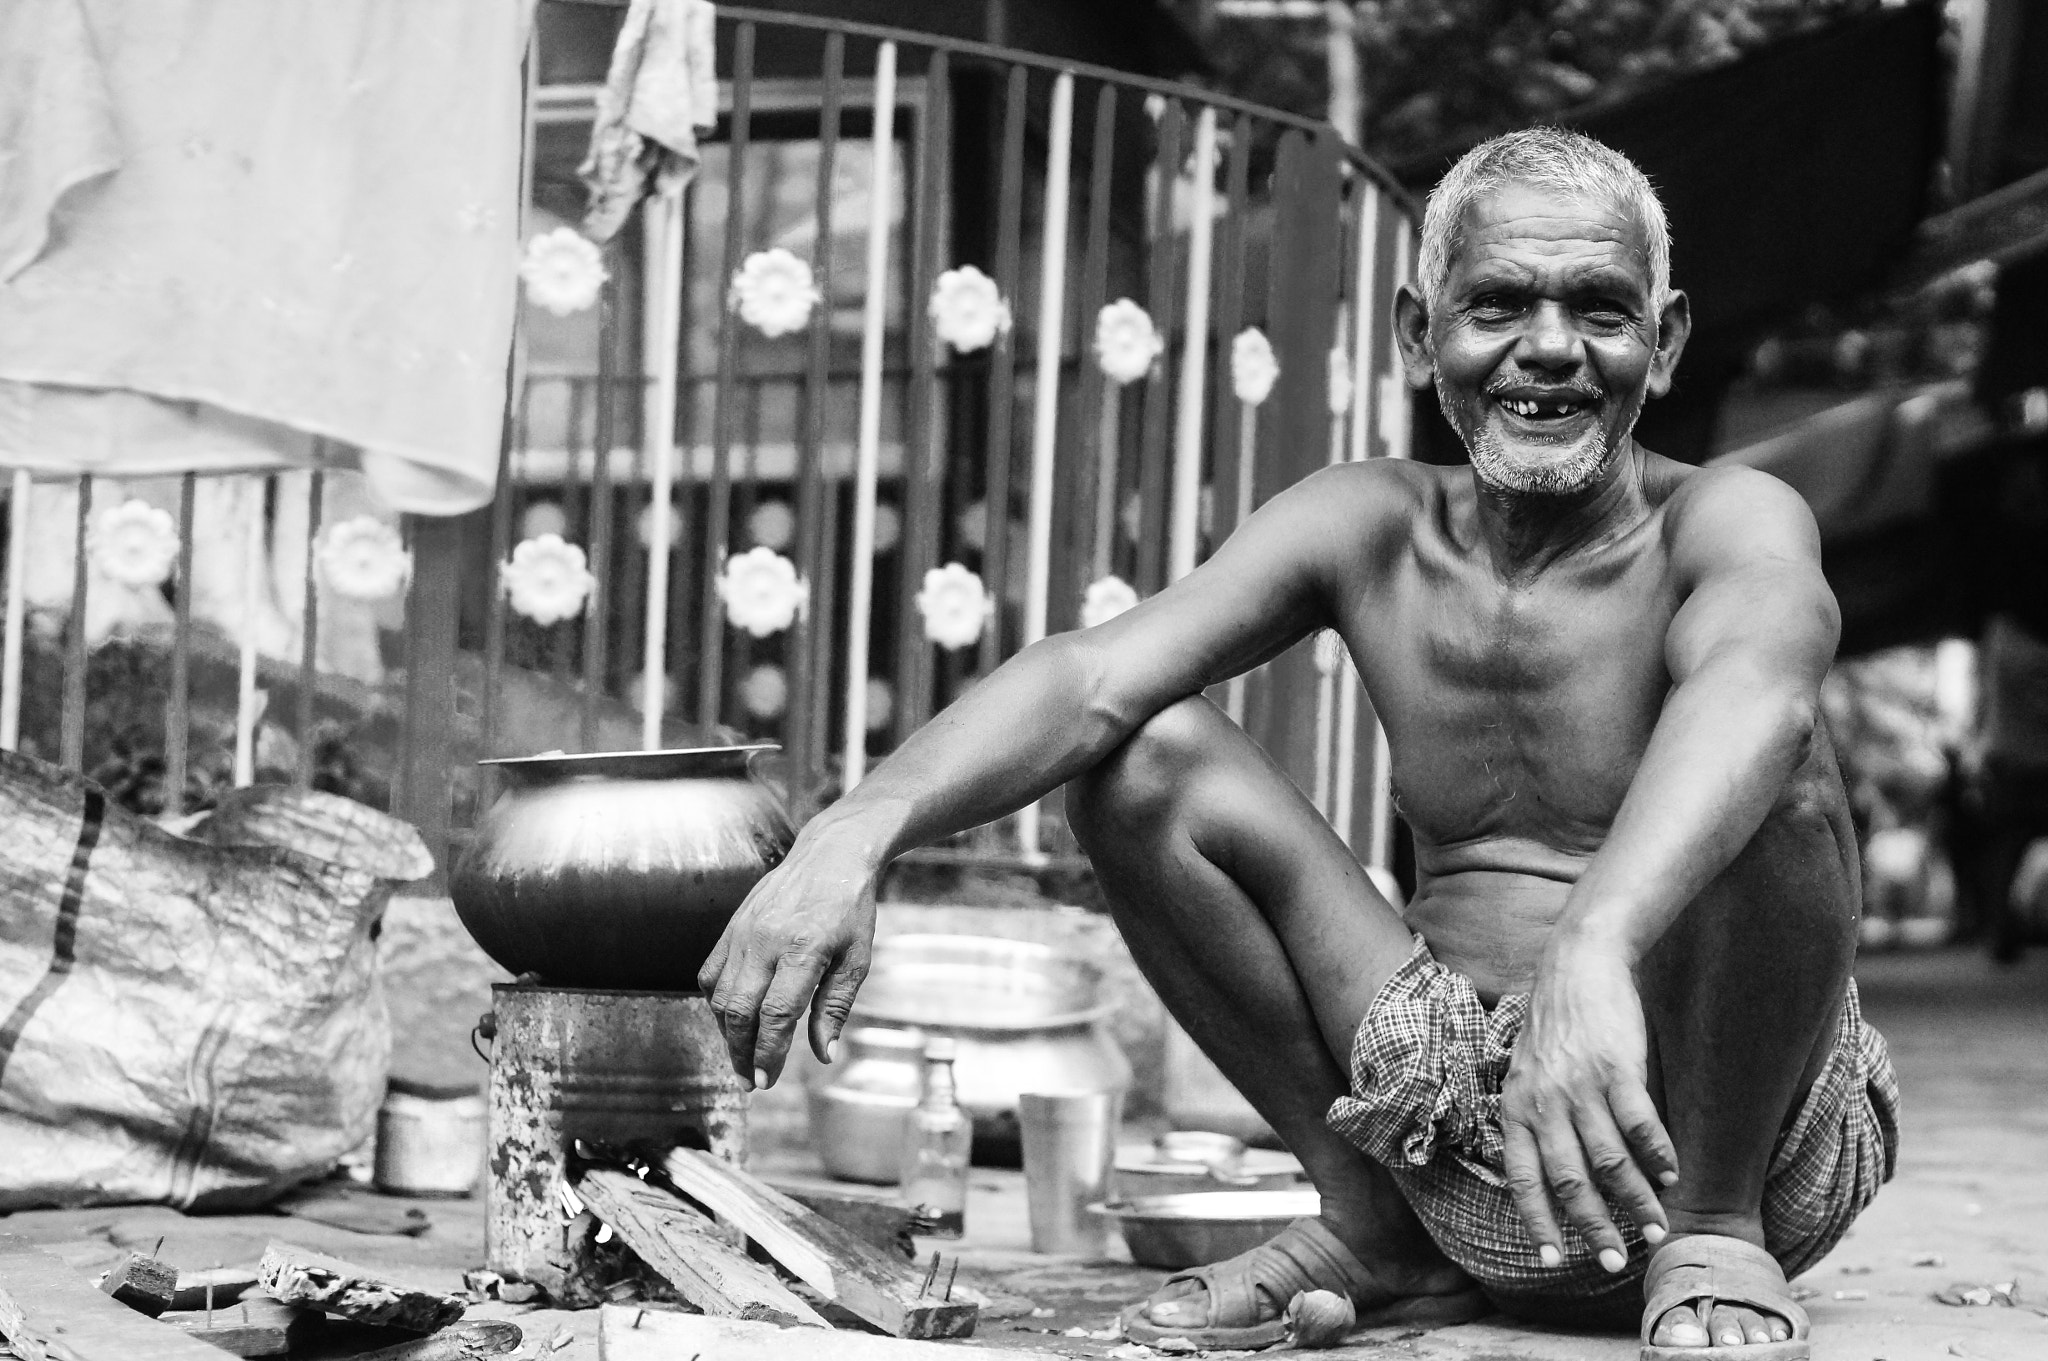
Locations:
column 802, row 937
column 1747, row 651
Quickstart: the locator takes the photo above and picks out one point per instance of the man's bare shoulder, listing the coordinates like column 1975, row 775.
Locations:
column 1726, row 516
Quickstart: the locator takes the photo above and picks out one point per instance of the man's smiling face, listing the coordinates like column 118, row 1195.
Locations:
column 1547, row 338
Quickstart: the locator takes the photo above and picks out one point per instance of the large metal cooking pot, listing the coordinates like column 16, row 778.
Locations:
column 619, row 869
column 1025, row 1018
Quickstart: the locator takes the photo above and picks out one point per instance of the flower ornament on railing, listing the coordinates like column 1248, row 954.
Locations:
column 774, row 292
column 765, row 691
column 364, row 559
column 772, row 524
column 881, row 703
column 548, row 580
column 1126, row 342
column 134, row 544
column 564, row 271
column 967, row 309
column 1105, row 599
column 762, row 592
column 1253, row 367
column 955, row 606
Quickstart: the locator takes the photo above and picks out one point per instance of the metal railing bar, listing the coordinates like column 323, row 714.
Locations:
column 805, row 668
column 718, row 515
column 597, row 605
column 309, row 622
column 1052, row 296
column 1002, row 388
column 71, row 740
column 861, row 558
column 252, row 596
column 1231, row 248
column 1158, row 383
column 20, row 491
column 1095, row 443
column 922, row 500
column 1194, row 370
column 178, row 706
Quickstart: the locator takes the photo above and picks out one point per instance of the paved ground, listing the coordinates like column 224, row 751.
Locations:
column 1969, row 1208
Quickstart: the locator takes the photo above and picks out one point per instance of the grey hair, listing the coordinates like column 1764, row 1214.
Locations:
column 1564, row 162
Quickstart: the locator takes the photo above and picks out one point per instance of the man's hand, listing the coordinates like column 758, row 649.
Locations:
column 1576, row 1113
column 801, row 939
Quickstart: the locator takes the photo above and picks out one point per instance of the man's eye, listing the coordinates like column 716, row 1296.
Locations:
column 1493, row 305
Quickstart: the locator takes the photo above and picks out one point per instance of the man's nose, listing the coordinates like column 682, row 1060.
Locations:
column 1549, row 339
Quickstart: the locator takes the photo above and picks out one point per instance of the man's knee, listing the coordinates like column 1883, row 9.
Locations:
column 1142, row 780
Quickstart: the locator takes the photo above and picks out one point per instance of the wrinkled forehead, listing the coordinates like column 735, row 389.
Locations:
column 1534, row 226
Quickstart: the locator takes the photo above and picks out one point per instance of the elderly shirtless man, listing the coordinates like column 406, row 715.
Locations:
column 1608, row 1063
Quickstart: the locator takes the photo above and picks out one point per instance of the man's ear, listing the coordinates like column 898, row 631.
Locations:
column 1674, row 324
column 1411, row 334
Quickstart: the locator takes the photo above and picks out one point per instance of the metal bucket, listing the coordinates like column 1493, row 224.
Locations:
column 430, row 1141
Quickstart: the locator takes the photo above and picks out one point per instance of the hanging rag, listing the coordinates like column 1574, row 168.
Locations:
column 243, row 234
column 661, row 89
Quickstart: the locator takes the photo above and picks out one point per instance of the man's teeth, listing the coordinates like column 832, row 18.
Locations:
column 1524, row 407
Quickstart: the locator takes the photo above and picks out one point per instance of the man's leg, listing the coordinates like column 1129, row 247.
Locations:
column 1267, row 942
column 1742, row 996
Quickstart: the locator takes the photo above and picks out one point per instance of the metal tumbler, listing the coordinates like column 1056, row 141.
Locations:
column 1069, row 1147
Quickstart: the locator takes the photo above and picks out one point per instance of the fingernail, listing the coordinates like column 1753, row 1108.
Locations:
column 1549, row 1256
column 1613, row 1259
column 1653, row 1234
column 1668, row 1178
column 760, row 1078
column 832, row 1049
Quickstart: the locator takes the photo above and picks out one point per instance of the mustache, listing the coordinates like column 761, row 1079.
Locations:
column 1577, row 387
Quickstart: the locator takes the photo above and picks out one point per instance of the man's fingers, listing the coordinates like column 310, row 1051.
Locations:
column 782, row 1006
column 1564, row 1169
column 714, row 963
column 1636, row 1115
column 1531, row 1194
column 736, row 1001
column 834, row 1001
column 1614, row 1168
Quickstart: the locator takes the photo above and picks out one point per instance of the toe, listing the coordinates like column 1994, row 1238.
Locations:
column 1725, row 1328
column 1179, row 1304
column 1754, row 1328
column 1680, row 1327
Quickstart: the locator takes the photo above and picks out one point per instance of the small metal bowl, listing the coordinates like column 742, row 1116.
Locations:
column 1200, row 1227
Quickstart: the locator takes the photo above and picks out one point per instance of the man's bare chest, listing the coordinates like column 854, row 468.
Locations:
column 1518, row 708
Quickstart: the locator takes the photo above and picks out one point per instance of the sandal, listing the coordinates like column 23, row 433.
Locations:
column 1707, row 1269
column 1303, row 1256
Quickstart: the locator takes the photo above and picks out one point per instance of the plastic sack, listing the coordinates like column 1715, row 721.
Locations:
column 193, row 1019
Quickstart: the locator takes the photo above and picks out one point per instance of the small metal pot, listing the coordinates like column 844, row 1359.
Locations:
column 1205, row 1226
column 620, row 869
column 1025, row 1018
column 858, row 1121
column 430, row 1140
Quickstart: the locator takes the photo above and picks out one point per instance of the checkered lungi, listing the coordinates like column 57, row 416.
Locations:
column 1426, row 1072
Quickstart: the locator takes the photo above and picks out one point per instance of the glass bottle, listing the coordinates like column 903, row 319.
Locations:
column 936, row 1142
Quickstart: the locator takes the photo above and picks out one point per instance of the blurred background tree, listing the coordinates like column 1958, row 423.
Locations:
column 1441, row 74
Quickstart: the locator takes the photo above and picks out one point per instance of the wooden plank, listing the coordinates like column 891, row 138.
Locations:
column 885, row 1291
column 300, row 1276
column 49, row 1312
column 463, row 1342
column 224, row 1285
column 259, row 1326
column 628, row 1333
column 871, row 1214
column 145, row 1284
column 683, row 1245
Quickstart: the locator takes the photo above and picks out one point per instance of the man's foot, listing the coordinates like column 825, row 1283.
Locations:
column 1713, row 1295
column 1239, row 1303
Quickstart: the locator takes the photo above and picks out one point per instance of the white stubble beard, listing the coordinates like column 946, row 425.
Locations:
column 1559, row 472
